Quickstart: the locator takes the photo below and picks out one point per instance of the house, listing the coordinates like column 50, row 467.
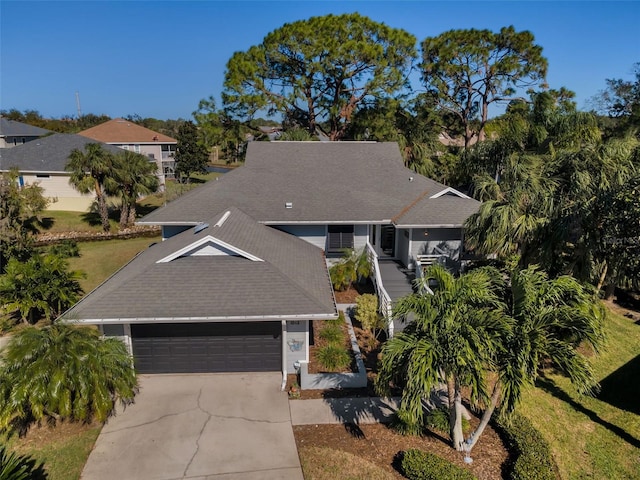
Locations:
column 130, row 136
column 293, row 207
column 42, row 161
column 13, row 133
column 228, row 294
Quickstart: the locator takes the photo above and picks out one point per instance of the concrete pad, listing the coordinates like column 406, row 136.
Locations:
column 343, row 410
column 199, row 427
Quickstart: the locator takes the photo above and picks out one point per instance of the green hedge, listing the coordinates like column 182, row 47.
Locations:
column 533, row 455
column 419, row 465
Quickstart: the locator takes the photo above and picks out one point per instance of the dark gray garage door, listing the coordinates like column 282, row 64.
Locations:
column 207, row 347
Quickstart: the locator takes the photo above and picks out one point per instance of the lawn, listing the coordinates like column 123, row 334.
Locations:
column 101, row 259
column 62, row 222
column 595, row 437
column 63, row 450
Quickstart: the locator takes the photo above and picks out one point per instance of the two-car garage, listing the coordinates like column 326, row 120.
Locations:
column 207, row 347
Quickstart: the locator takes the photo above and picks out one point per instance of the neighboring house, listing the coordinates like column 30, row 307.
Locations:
column 207, row 289
column 14, row 133
column 227, row 295
column 42, row 161
column 130, row 136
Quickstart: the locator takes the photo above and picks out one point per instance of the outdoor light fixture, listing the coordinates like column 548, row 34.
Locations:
column 288, row 205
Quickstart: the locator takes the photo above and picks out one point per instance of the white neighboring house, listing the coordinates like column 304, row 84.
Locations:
column 42, row 162
column 130, row 136
column 13, row 133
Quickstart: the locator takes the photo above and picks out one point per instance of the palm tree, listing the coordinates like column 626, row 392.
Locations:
column 42, row 285
column 515, row 208
column 90, row 169
column 133, row 175
column 453, row 340
column 63, row 372
column 551, row 319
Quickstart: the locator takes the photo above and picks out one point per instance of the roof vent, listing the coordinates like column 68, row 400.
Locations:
column 411, row 179
column 288, row 205
column 200, row 227
column 222, row 219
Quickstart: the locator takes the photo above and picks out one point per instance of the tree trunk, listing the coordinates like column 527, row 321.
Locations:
column 457, row 437
column 124, row 213
column 486, row 416
column 603, row 276
column 132, row 214
column 102, row 208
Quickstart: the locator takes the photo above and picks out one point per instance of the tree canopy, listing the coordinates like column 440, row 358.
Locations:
column 319, row 71
column 468, row 70
column 191, row 156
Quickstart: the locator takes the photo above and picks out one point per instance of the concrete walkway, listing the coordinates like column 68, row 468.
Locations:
column 343, row 410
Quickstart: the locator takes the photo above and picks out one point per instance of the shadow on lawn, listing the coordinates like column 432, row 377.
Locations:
column 621, row 388
column 551, row 388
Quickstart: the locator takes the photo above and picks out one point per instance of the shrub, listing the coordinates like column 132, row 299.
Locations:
column 366, row 311
column 333, row 357
column 65, row 249
column 419, row 465
column 331, row 333
column 533, row 455
column 19, row 467
column 63, row 372
column 338, row 322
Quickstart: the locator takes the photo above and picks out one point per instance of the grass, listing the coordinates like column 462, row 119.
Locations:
column 63, row 450
column 320, row 463
column 174, row 190
column 101, row 259
column 61, row 222
column 595, row 437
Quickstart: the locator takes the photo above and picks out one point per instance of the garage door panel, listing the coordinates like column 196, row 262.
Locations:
column 182, row 348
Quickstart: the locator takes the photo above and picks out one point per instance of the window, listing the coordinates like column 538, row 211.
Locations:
column 136, row 148
column 41, row 175
column 339, row 237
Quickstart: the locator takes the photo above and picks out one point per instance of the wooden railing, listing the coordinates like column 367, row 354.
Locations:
column 383, row 297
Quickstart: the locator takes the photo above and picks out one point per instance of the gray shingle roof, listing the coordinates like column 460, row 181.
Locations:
column 292, row 280
column 326, row 182
column 11, row 128
column 48, row 154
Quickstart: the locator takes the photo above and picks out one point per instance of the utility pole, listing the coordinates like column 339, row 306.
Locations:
column 78, row 105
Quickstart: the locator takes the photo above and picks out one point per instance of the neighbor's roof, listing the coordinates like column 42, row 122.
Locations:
column 11, row 128
column 46, row 155
column 234, row 269
column 119, row 130
column 324, row 182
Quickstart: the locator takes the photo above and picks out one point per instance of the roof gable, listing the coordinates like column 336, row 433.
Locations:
column 209, row 246
column 119, row 130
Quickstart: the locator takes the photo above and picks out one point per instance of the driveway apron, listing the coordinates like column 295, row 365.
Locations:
column 210, row 426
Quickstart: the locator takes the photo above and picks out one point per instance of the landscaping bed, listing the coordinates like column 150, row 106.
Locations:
column 379, row 445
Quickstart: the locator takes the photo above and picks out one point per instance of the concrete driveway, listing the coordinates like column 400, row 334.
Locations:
column 214, row 426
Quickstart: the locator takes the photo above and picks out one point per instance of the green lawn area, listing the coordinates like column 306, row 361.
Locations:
column 102, row 258
column 61, row 221
column 595, row 438
column 63, row 450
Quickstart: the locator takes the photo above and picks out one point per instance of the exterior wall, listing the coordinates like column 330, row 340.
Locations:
column 360, row 236
column 57, row 188
column 317, row 234
column 314, row 234
column 403, row 237
column 297, row 348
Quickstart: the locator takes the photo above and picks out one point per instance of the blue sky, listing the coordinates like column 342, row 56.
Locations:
column 159, row 58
